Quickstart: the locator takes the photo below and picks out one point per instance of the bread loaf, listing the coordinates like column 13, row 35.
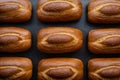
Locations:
column 104, row 69
column 104, row 41
column 59, row 40
column 60, row 69
column 104, row 11
column 15, row 68
column 15, row 10
column 13, row 39
column 59, row 10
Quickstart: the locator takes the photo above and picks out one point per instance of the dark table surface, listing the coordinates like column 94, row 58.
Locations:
column 34, row 25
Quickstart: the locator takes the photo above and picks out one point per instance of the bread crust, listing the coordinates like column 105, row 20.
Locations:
column 57, row 40
column 60, row 68
column 15, row 68
column 14, row 39
column 104, row 11
column 104, row 41
column 15, row 10
column 59, row 10
column 104, row 69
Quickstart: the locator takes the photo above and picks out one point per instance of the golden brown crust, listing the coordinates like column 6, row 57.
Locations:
column 15, row 10
column 59, row 40
column 13, row 39
column 104, row 41
column 60, row 68
column 104, row 69
column 15, row 68
column 104, row 11
column 59, row 10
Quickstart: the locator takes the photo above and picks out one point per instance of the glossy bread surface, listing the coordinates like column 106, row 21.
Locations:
column 60, row 69
column 104, row 41
column 15, row 68
column 13, row 39
column 104, row 69
column 104, row 11
column 15, row 10
column 59, row 40
column 59, row 10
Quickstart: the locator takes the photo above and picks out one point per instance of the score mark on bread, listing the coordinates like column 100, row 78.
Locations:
column 9, row 39
column 111, row 41
column 57, row 6
column 110, row 10
column 110, row 72
column 11, row 72
column 8, row 7
column 59, row 39
column 60, row 73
